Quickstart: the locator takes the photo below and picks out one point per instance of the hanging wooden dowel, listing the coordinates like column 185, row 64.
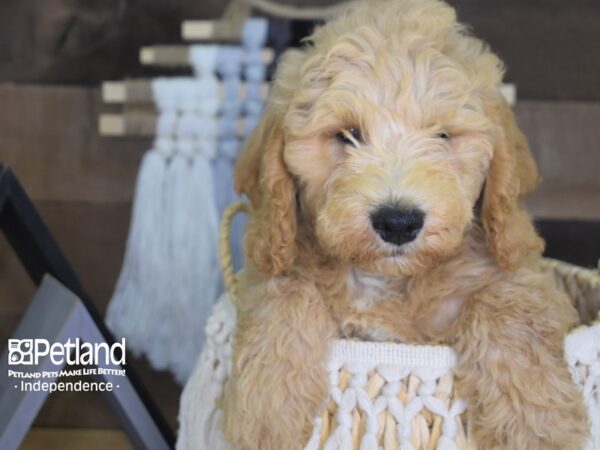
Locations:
column 211, row 30
column 120, row 125
column 129, row 91
column 140, row 91
column 165, row 55
column 140, row 124
column 111, row 125
column 178, row 55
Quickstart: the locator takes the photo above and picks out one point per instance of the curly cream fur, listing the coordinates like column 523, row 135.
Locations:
column 402, row 71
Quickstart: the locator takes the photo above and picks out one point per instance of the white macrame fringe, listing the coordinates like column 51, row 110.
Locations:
column 582, row 349
column 199, row 420
column 136, row 287
column 170, row 276
column 171, row 284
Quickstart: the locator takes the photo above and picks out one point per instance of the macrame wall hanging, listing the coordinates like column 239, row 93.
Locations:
column 170, row 277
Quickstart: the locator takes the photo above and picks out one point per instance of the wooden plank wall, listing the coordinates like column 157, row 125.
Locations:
column 549, row 46
column 82, row 183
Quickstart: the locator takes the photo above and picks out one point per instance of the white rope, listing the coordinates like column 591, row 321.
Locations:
column 203, row 59
column 582, row 352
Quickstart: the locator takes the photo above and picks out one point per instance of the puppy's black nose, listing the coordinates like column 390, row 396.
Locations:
column 397, row 224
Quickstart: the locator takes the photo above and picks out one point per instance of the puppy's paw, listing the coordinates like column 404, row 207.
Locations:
column 515, row 424
column 522, row 397
column 279, row 381
column 270, row 411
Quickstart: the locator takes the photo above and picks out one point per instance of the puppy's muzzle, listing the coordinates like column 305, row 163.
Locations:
column 397, row 224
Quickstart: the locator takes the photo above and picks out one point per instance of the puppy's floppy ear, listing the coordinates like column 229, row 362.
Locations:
column 248, row 165
column 261, row 174
column 509, row 230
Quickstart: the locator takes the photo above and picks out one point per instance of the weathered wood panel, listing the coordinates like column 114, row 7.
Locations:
column 61, row 41
column 75, row 439
column 48, row 135
column 548, row 46
column 565, row 138
column 552, row 202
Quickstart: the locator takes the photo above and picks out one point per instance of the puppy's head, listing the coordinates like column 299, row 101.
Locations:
column 379, row 139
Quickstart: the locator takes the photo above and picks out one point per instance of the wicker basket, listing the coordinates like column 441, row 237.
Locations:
column 385, row 396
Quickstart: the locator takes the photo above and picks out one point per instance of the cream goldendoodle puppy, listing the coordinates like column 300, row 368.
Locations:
column 386, row 181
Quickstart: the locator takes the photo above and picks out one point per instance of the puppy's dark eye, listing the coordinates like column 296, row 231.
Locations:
column 349, row 136
column 443, row 135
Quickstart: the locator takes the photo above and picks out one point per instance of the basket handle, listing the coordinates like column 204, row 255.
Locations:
column 226, row 261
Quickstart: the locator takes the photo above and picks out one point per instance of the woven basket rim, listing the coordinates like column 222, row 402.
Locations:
column 371, row 354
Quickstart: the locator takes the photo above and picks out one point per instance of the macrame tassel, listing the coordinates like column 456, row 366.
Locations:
column 315, row 440
column 229, row 68
column 138, row 283
column 173, row 265
column 132, row 310
column 171, row 292
column 204, row 262
column 445, row 443
column 254, row 37
column 369, row 442
column 192, row 233
column 203, row 59
column 199, row 419
column 341, row 440
column 195, row 245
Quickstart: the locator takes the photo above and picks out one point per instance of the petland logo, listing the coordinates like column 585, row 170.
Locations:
column 30, row 351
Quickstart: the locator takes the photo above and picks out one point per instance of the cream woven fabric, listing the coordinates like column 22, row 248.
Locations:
column 381, row 395
column 582, row 352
